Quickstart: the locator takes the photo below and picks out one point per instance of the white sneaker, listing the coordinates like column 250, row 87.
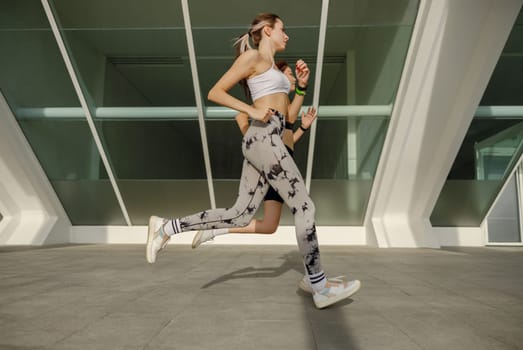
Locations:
column 336, row 292
column 201, row 237
column 154, row 242
column 305, row 283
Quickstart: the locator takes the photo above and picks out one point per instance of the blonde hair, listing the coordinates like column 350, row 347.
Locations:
column 255, row 32
column 242, row 43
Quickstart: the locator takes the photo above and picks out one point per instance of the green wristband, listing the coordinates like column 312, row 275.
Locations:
column 299, row 92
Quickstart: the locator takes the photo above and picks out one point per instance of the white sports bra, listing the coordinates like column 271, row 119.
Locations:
column 269, row 82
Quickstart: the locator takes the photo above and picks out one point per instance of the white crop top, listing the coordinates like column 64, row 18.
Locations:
column 269, row 82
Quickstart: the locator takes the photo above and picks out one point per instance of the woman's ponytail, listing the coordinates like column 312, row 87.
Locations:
column 242, row 44
column 254, row 33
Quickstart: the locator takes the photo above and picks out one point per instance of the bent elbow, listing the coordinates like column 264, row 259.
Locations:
column 211, row 95
column 214, row 94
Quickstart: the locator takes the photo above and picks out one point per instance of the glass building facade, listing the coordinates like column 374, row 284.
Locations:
column 492, row 146
column 134, row 72
column 111, row 96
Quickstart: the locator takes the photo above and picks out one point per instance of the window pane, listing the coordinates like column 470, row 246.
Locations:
column 36, row 85
column 365, row 49
column 132, row 59
column 492, row 146
column 346, row 156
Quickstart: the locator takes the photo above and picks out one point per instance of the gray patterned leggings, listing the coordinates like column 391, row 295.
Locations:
column 266, row 162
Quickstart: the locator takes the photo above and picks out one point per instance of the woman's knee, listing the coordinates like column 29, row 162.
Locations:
column 243, row 220
column 265, row 227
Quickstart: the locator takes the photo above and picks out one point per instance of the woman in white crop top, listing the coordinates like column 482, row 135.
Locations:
column 272, row 203
column 267, row 162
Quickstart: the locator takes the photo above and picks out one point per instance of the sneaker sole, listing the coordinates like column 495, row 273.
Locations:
column 150, row 236
column 196, row 240
column 334, row 300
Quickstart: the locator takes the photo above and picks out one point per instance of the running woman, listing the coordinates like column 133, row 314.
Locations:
column 267, row 162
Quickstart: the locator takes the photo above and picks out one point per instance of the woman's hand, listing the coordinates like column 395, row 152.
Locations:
column 309, row 117
column 302, row 73
column 263, row 115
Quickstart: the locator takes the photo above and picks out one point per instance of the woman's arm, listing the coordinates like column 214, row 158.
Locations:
column 302, row 75
column 306, row 122
column 242, row 120
column 243, row 67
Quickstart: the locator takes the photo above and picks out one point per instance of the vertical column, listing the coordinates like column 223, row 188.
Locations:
column 454, row 49
column 317, row 87
column 198, row 98
column 352, row 125
column 32, row 214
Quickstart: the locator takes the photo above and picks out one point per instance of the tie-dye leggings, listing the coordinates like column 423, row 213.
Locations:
column 266, row 162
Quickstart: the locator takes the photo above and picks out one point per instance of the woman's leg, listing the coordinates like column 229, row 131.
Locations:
column 269, row 223
column 284, row 176
column 252, row 189
column 269, row 156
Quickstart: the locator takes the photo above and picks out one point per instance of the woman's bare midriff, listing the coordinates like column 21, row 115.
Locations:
column 278, row 101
